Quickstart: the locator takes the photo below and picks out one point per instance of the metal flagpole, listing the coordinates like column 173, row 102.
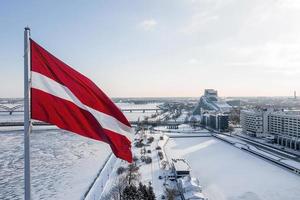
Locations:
column 27, row 118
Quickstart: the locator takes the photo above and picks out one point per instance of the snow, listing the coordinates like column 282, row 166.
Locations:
column 14, row 117
column 180, row 165
column 135, row 116
column 63, row 165
column 183, row 128
column 227, row 173
column 189, row 184
column 193, row 195
column 149, row 172
column 139, row 106
column 182, row 117
column 100, row 183
column 239, row 143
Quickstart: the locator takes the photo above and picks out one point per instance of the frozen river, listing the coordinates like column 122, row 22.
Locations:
column 63, row 164
column 135, row 116
column 227, row 173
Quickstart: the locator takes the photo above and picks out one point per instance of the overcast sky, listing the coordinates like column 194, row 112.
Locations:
column 139, row 48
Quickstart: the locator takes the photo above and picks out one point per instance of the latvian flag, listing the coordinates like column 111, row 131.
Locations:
column 64, row 97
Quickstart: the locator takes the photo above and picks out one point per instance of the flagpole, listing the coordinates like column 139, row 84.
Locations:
column 27, row 118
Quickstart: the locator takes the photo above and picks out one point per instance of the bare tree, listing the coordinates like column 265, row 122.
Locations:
column 171, row 193
column 116, row 190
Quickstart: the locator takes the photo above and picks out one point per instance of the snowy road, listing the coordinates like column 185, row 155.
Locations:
column 227, row 173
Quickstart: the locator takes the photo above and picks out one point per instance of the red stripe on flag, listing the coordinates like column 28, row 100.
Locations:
column 68, row 116
column 83, row 88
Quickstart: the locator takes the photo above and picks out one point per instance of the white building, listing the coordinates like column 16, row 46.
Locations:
column 252, row 122
column 285, row 126
column 211, row 102
column 180, row 168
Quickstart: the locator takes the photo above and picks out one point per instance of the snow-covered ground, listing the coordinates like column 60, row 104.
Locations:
column 183, row 128
column 182, row 117
column 15, row 117
column 149, row 173
column 227, row 173
column 63, row 165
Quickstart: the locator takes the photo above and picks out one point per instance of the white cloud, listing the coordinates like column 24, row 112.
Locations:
column 148, row 25
column 193, row 61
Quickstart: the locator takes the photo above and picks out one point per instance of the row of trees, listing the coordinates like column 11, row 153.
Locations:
column 129, row 187
column 142, row 192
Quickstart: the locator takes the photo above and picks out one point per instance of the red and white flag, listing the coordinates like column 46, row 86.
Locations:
column 64, row 97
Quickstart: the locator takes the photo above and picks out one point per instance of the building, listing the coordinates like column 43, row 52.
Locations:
column 180, row 168
column 222, row 120
column 252, row 122
column 190, row 188
column 285, row 126
column 216, row 121
column 211, row 102
column 255, row 122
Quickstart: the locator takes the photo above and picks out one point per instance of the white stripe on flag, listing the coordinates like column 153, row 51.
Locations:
column 43, row 83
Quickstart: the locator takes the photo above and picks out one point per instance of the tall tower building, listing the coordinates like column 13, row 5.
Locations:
column 295, row 95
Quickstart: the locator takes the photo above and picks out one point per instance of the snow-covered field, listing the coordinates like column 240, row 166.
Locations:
column 227, row 173
column 63, row 164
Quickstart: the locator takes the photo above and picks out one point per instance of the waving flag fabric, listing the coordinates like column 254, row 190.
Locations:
column 64, row 97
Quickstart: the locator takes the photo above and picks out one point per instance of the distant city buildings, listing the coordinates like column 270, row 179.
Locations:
column 283, row 125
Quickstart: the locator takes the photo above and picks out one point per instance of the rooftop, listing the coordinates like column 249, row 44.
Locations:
column 180, row 165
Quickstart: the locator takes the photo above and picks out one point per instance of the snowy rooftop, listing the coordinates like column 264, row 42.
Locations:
column 287, row 113
column 190, row 184
column 193, row 195
column 180, row 165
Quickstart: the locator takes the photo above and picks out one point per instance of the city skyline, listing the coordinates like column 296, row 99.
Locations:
column 161, row 49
